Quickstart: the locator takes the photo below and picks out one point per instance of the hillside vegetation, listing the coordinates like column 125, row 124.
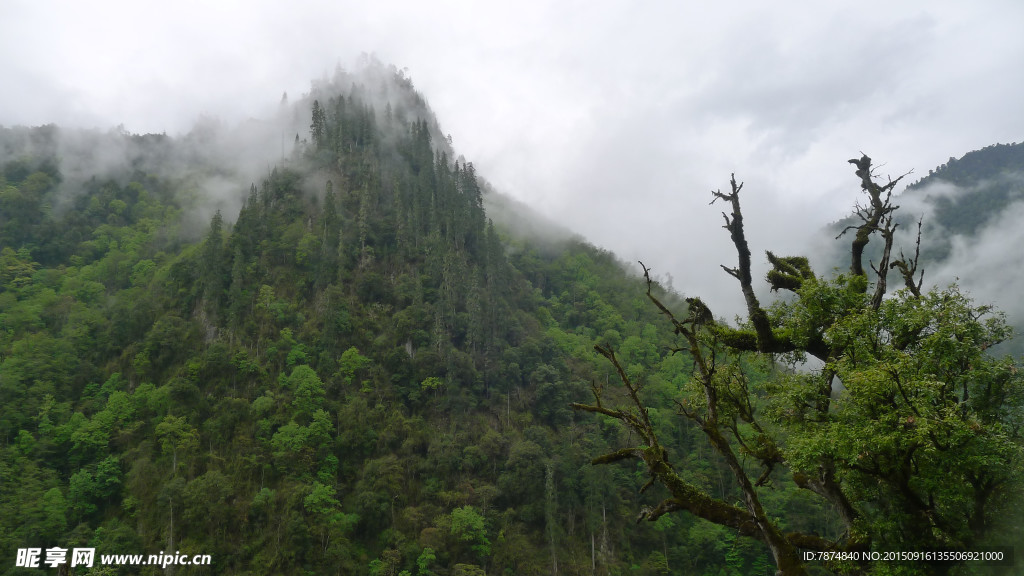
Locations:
column 303, row 346
column 347, row 370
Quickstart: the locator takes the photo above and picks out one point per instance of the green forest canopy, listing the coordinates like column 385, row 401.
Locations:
column 357, row 373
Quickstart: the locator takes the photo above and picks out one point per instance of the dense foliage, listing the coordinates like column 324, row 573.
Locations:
column 346, row 368
column 355, row 373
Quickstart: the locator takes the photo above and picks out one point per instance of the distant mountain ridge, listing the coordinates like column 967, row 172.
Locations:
column 956, row 199
column 995, row 177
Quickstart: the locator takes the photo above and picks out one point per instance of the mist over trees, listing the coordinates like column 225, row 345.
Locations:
column 321, row 343
column 345, row 368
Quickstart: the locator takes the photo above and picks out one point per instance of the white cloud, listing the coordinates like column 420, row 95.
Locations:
column 616, row 118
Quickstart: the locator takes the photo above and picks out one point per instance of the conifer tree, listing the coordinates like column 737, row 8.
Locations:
column 316, row 128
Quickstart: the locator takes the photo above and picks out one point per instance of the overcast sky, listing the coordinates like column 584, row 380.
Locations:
column 615, row 118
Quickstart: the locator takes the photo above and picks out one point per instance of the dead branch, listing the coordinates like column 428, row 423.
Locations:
column 734, row 224
column 878, row 208
column 888, row 232
column 908, row 267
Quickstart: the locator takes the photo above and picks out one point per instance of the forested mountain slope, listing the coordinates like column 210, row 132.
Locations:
column 994, row 176
column 342, row 368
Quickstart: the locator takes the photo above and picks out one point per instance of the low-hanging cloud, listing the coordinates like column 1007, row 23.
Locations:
column 988, row 264
column 614, row 119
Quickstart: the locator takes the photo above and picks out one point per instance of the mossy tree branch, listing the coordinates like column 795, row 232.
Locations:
column 889, row 352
